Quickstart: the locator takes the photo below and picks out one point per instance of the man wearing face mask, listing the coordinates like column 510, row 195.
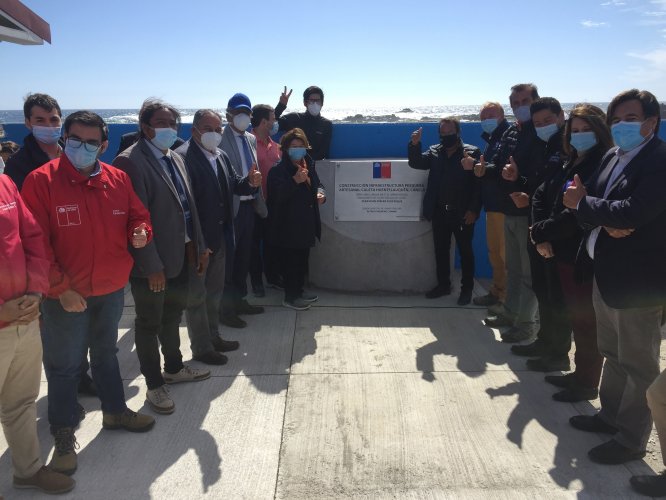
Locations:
column 623, row 208
column 89, row 213
column 161, row 270
column 44, row 119
column 452, row 202
column 520, row 308
column 214, row 183
column 241, row 148
column 318, row 129
column 264, row 125
column 546, row 160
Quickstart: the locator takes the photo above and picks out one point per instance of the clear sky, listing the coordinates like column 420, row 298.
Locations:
column 196, row 53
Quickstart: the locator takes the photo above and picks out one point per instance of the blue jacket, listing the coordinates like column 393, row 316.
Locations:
column 493, row 197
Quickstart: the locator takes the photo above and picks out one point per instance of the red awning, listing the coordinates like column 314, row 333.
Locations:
column 18, row 24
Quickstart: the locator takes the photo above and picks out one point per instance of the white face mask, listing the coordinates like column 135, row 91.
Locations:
column 211, row 140
column 314, row 108
column 242, row 122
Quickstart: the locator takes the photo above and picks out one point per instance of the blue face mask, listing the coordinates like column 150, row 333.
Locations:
column 489, row 125
column 164, row 138
column 296, row 154
column 582, row 141
column 522, row 113
column 545, row 133
column 274, row 129
column 80, row 157
column 46, row 135
column 627, row 135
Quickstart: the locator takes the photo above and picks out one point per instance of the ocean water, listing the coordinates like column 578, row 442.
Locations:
column 465, row 112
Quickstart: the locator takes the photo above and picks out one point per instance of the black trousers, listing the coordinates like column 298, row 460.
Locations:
column 264, row 256
column 294, row 267
column 157, row 320
column 238, row 259
column 555, row 325
column 445, row 224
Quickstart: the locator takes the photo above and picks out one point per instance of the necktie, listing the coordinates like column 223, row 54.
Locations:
column 182, row 195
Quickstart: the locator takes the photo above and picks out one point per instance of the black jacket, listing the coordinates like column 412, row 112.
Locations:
column 631, row 271
column 493, row 197
column 444, row 169
column 293, row 211
column 213, row 195
column 318, row 129
column 27, row 159
column 551, row 220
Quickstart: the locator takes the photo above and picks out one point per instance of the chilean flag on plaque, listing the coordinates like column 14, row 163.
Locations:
column 381, row 170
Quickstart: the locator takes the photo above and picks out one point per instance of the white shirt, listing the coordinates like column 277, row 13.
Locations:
column 212, row 158
column 623, row 160
column 246, row 168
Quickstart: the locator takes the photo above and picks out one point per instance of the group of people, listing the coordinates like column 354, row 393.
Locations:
column 183, row 222
column 576, row 232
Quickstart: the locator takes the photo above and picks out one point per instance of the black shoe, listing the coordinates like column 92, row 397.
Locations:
column 613, row 453
column 498, row 321
column 514, row 334
column 86, row 386
column 592, row 423
column 486, row 300
column 535, row 349
column 244, row 307
column 438, row 291
column 576, row 393
column 221, row 345
column 258, row 291
column 233, row 321
column 651, row 486
column 211, row 358
column 549, row 364
column 563, row 381
column 464, row 298
column 277, row 284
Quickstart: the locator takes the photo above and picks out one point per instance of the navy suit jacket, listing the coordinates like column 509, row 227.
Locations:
column 630, row 271
column 213, row 196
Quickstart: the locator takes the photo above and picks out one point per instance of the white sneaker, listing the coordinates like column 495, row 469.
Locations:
column 186, row 374
column 160, row 401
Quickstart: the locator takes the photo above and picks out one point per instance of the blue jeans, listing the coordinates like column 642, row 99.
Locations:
column 66, row 336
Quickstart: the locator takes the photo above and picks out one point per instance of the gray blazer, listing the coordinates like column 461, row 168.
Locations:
column 229, row 146
column 166, row 252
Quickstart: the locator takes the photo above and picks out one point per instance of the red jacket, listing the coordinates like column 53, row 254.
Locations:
column 23, row 263
column 87, row 223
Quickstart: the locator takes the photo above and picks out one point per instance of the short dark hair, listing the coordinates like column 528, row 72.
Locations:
column 451, row 119
column 546, row 103
column 596, row 119
column 9, row 147
column 648, row 101
column 44, row 101
column 313, row 89
column 198, row 116
column 260, row 112
column 294, row 133
column 88, row 119
column 519, row 87
column 150, row 107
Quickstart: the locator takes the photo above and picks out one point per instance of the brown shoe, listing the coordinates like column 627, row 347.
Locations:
column 128, row 420
column 47, row 481
column 64, row 454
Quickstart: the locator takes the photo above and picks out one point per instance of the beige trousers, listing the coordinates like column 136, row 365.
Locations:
column 20, row 370
column 495, row 243
column 656, row 398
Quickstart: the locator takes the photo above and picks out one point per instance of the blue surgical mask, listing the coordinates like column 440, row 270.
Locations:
column 489, row 125
column 47, row 135
column 545, row 133
column 627, row 135
column 296, row 154
column 164, row 138
column 80, row 157
column 522, row 113
column 582, row 141
column 274, row 129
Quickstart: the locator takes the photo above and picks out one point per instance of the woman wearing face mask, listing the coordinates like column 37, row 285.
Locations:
column 556, row 234
column 294, row 196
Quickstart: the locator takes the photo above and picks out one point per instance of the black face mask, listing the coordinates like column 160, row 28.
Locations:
column 448, row 141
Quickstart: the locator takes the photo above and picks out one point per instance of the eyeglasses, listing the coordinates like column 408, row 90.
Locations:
column 91, row 145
